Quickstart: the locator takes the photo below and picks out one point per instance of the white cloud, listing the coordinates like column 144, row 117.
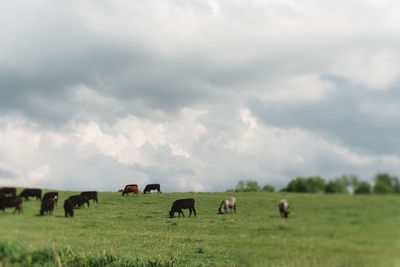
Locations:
column 176, row 90
column 374, row 68
column 294, row 90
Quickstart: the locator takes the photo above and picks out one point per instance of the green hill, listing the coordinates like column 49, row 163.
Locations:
column 322, row 230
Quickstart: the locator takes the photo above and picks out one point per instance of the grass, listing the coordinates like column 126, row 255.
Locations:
column 322, row 230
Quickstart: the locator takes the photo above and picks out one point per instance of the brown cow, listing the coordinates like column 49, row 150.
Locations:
column 130, row 188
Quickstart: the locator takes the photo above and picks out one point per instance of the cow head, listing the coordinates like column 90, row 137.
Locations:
column 171, row 214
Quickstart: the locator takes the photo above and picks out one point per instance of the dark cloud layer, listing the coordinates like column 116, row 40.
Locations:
column 197, row 94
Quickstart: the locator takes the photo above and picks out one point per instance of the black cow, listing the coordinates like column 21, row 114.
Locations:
column 68, row 208
column 11, row 202
column 79, row 201
column 31, row 192
column 91, row 195
column 284, row 208
column 151, row 187
column 180, row 204
column 47, row 206
column 51, row 195
column 8, row 191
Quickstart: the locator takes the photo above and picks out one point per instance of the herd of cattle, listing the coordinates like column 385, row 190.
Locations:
column 9, row 199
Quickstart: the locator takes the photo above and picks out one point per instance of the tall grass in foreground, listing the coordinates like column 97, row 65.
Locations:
column 11, row 255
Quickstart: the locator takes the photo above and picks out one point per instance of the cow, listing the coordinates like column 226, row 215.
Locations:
column 79, row 201
column 8, row 191
column 51, row 195
column 31, row 192
column 130, row 188
column 180, row 204
column 68, row 208
column 151, row 187
column 227, row 203
column 47, row 206
column 91, row 195
column 284, row 208
column 11, row 202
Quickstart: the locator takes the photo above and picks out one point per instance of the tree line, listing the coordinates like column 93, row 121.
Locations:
column 384, row 183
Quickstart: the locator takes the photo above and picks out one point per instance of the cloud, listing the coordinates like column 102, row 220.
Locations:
column 196, row 94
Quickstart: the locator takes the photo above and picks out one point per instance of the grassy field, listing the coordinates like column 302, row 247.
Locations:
column 322, row 230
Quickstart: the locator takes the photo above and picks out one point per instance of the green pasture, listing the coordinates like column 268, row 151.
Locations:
column 322, row 230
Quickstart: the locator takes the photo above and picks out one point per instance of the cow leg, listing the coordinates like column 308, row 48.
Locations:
column 194, row 210
column 190, row 212
column 182, row 213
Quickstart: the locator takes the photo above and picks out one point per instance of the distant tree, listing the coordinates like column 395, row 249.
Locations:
column 311, row 184
column 240, row 187
column 396, row 185
column 335, row 187
column 385, row 184
column 297, row 185
column 316, row 184
column 252, row 186
column 382, row 188
column 350, row 182
column 362, row 188
column 268, row 188
column 247, row 186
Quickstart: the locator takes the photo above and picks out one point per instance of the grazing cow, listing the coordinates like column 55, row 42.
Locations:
column 47, row 206
column 31, row 192
column 151, row 187
column 284, row 208
column 79, row 201
column 68, row 208
column 180, row 204
column 11, row 202
column 227, row 203
column 8, row 191
column 91, row 195
column 130, row 188
column 51, row 195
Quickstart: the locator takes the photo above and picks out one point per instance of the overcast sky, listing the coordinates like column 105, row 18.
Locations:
column 197, row 94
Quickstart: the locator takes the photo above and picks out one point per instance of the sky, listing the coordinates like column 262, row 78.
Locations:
column 197, row 94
